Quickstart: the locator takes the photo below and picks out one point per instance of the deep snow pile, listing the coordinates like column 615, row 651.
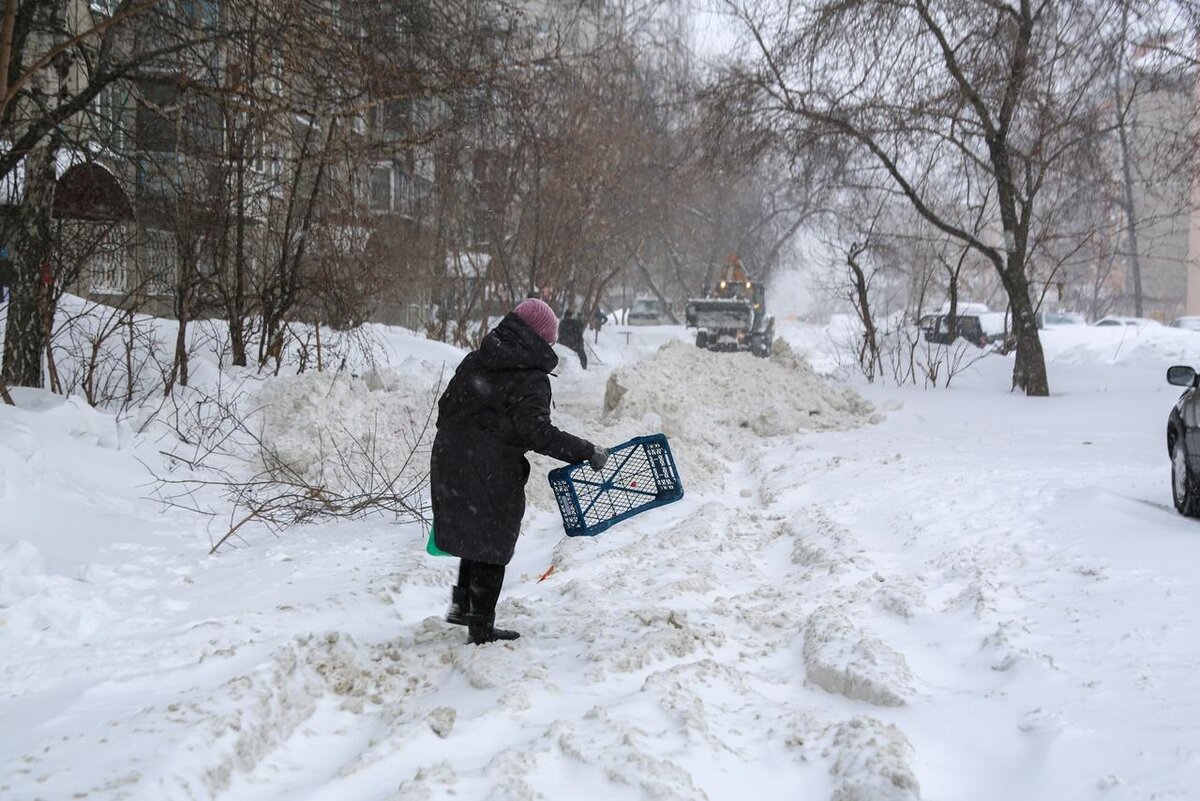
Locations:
column 1149, row 344
column 694, row 390
column 713, row 405
column 337, row 431
column 41, row 443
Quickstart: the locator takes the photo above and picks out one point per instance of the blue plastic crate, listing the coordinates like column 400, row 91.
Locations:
column 640, row 475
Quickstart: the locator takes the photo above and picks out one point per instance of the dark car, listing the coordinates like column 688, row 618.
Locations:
column 980, row 329
column 1183, row 442
column 647, row 311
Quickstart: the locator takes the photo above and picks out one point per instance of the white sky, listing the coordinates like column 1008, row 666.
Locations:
column 714, row 31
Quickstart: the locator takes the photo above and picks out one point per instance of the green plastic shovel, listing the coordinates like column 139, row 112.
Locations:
column 431, row 546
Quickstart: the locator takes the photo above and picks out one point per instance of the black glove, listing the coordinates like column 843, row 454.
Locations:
column 599, row 458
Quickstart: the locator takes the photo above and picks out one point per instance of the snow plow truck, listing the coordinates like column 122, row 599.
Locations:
column 732, row 315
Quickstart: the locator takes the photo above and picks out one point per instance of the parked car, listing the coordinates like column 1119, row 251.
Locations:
column 980, row 329
column 965, row 307
column 1183, row 441
column 647, row 311
column 1055, row 319
column 1187, row 323
column 1116, row 319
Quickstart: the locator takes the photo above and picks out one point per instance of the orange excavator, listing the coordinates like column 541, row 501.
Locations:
column 732, row 314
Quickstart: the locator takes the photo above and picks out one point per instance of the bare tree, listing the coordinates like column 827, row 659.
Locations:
column 869, row 356
column 57, row 58
column 932, row 93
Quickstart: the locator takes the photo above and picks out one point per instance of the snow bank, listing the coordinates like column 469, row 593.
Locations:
column 335, row 430
column 36, row 606
column 38, row 418
column 622, row 751
column 714, row 405
column 55, row 453
column 222, row 733
column 872, row 763
column 693, row 390
column 1123, row 344
column 23, row 462
column 840, row 658
column 830, row 348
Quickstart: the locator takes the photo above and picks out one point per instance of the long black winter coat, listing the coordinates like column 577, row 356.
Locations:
column 494, row 410
column 570, row 333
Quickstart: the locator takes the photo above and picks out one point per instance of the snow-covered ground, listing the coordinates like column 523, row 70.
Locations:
column 944, row 594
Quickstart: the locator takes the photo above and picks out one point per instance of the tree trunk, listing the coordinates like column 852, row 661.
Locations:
column 952, row 319
column 1029, row 370
column 1129, row 207
column 183, row 312
column 180, row 372
column 237, row 337
column 47, row 311
column 130, row 342
column 237, row 306
column 29, row 298
column 869, row 357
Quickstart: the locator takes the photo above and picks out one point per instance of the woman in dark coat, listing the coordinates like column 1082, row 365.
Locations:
column 494, row 410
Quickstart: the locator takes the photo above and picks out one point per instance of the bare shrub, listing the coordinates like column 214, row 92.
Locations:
column 217, row 436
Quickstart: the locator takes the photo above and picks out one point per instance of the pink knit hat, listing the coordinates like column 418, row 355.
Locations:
column 540, row 317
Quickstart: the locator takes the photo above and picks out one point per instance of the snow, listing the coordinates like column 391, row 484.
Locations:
column 1121, row 345
column 936, row 594
column 840, row 658
column 311, row 419
column 694, row 391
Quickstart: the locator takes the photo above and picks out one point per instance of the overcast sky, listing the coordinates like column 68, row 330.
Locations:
column 714, row 32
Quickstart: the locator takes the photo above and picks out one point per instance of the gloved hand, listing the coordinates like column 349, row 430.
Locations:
column 599, row 458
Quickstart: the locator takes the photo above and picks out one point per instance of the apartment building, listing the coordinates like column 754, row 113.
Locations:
column 180, row 180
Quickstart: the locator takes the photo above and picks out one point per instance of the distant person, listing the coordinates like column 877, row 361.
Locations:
column 570, row 333
column 494, row 410
column 599, row 318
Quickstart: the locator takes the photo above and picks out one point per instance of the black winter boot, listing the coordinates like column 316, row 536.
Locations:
column 484, row 591
column 459, row 612
column 482, row 630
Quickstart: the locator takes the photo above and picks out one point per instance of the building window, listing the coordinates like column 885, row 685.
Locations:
column 261, row 152
column 255, row 140
column 200, row 12
column 202, row 125
column 158, row 177
column 381, row 187
column 159, row 260
column 111, row 119
column 109, row 264
column 156, row 130
column 405, row 198
column 274, row 159
column 258, row 151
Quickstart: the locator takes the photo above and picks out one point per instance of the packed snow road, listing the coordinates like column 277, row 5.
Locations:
column 939, row 595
